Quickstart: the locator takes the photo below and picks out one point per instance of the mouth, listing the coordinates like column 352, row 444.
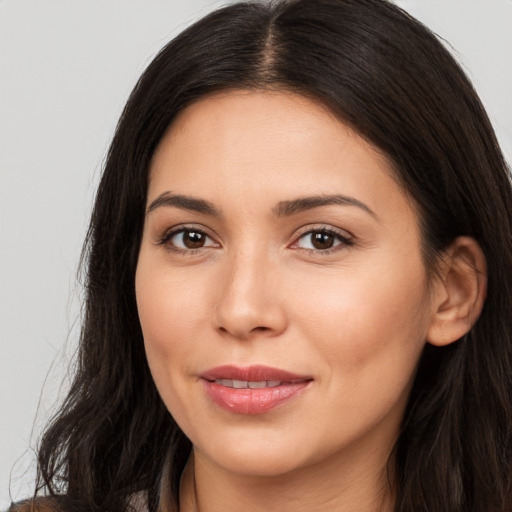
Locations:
column 248, row 384
column 252, row 390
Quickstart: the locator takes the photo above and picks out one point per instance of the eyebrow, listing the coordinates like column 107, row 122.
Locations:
column 287, row 208
column 282, row 209
column 184, row 202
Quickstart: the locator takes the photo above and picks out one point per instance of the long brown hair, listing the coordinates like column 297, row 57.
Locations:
column 389, row 78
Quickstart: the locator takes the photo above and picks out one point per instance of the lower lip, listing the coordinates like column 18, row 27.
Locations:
column 253, row 401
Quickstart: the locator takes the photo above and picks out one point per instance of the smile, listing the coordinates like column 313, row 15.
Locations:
column 252, row 390
column 244, row 384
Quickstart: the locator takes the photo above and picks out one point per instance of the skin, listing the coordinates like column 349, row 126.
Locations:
column 354, row 317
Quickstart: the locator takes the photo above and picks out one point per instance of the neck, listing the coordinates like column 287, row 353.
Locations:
column 323, row 487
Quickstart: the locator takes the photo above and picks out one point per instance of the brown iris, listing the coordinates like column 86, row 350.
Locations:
column 322, row 240
column 193, row 239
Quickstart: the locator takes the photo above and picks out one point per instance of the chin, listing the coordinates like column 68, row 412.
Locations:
column 265, row 457
column 256, row 465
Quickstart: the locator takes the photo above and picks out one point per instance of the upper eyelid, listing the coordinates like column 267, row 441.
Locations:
column 187, row 227
column 304, row 230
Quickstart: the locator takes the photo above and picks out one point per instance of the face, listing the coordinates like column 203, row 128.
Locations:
column 280, row 285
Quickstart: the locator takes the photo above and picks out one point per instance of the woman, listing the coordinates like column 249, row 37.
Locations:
column 299, row 267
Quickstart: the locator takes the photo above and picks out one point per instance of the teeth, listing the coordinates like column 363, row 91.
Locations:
column 245, row 384
column 257, row 385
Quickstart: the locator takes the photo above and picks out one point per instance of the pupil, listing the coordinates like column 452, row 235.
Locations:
column 193, row 240
column 323, row 240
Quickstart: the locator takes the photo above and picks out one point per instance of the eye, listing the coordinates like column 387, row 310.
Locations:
column 323, row 239
column 187, row 239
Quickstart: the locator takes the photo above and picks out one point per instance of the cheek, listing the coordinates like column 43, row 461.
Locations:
column 170, row 302
column 169, row 315
column 368, row 325
column 365, row 332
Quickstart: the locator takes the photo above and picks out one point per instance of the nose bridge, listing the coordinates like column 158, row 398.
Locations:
column 248, row 300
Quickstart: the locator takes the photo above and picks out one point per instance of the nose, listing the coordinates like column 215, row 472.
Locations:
column 249, row 300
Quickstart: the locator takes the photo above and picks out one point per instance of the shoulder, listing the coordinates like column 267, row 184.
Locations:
column 35, row 505
column 136, row 503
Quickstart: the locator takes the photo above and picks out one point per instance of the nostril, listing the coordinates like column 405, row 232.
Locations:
column 261, row 329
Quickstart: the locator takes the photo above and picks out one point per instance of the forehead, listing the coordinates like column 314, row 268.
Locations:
column 241, row 146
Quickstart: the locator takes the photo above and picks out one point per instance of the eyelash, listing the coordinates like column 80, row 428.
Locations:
column 344, row 241
column 164, row 241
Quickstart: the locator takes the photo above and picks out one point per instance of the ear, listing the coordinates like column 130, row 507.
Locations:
column 459, row 292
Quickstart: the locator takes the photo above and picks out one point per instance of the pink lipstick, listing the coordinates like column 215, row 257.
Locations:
column 252, row 390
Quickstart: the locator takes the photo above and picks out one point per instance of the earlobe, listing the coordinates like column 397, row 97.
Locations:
column 459, row 293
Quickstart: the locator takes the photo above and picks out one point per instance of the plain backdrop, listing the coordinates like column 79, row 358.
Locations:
column 66, row 69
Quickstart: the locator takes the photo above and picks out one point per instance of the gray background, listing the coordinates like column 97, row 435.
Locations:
column 66, row 69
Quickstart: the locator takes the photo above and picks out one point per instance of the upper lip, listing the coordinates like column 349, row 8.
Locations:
column 254, row 373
